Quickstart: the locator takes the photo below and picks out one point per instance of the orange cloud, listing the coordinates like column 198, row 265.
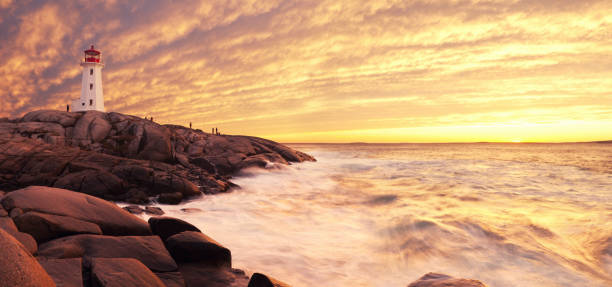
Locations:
column 304, row 71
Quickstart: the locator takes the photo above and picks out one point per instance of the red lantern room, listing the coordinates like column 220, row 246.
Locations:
column 92, row 55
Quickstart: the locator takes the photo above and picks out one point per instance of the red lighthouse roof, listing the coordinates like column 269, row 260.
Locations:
column 92, row 55
column 92, row 51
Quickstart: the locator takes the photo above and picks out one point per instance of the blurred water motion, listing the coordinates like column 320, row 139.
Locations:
column 383, row 215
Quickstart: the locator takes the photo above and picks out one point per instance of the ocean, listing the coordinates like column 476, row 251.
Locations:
column 386, row 214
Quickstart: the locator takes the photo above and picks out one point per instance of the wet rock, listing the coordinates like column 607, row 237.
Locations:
column 442, row 280
column 109, row 217
column 64, row 272
column 154, row 210
column 44, row 227
column 25, row 239
column 196, row 274
column 148, row 249
column 170, row 198
column 18, row 267
column 172, row 279
column 261, row 280
column 192, row 246
column 122, row 272
column 165, row 227
column 134, row 209
column 204, row 164
column 137, row 196
column 191, row 210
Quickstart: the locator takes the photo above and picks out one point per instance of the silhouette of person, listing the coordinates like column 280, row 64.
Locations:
column 189, row 124
column 68, row 108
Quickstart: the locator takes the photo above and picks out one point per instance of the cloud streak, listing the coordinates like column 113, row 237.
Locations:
column 292, row 69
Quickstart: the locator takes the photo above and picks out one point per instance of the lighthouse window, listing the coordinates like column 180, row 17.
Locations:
column 91, row 71
column 90, row 102
column 90, row 86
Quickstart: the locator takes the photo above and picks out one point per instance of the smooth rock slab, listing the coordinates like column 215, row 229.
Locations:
column 261, row 280
column 148, row 249
column 44, row 227
column 64, row 272
column 50, row 116
column 192, row 246
column 165, row 227
column 109, row 217
column 18, row 267
column 111, row 272
column 442, row 280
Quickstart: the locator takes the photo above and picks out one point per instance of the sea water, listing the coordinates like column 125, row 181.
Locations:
column 385, row 214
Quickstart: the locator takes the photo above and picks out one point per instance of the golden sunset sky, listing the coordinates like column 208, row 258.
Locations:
column 325, row 71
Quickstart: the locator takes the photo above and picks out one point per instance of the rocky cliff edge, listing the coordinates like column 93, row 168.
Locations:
column 127, row 158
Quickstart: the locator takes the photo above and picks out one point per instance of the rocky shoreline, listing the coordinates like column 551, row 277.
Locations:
column 126, row 158
column 58, row 170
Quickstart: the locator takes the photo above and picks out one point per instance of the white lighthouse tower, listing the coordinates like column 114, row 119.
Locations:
column 91, row 86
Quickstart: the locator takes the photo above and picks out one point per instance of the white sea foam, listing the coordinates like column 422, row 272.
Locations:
column 380, row 216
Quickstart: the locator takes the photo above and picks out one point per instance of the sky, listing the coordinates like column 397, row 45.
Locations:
column 325, row 71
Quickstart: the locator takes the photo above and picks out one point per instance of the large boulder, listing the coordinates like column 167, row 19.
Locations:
column 442, row 280
column 170, row 198
column 107, row 272
column 44, row 227
column 50, row 116
column 149, row 250
column 156, row 143
column 94, row 182
column 64, row 272
column 109, row 217
column 92, row 127
column 261, row 280
column 165, row 227
column 193, row 246
column 18, row 267
column 25, row 239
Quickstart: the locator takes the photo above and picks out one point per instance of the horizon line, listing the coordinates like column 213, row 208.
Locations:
column 478, row 142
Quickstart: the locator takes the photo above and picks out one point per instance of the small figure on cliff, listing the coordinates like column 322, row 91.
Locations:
column 68, row 108
column 216, row 131
column 189, row 124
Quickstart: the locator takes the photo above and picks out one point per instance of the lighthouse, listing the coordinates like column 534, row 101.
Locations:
column 91, row 85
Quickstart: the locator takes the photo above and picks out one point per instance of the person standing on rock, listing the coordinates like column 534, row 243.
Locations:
column 189, row 124
column 67, row 108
